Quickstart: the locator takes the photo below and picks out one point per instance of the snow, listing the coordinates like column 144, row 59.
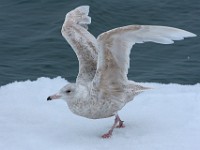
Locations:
column 165, row 118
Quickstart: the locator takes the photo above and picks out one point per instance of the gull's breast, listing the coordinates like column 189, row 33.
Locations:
column 96, row 109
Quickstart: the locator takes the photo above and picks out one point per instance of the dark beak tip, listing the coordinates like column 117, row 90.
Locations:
column 48, row 98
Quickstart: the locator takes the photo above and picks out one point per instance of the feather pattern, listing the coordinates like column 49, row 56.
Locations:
column 102, row 87
column 115, row 46
column 84, row 44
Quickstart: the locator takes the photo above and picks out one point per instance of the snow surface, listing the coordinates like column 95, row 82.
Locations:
column 166, row 118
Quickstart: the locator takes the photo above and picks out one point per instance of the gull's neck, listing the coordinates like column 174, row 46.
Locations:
column 81, row 91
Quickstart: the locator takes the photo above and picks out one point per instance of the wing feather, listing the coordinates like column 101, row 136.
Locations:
column 84, row 44
column 115, row 46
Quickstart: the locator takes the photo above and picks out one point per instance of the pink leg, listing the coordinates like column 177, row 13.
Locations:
column 121, row 124
column 109, row 133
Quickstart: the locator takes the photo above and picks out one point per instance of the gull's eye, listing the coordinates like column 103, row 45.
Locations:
column 68, row 91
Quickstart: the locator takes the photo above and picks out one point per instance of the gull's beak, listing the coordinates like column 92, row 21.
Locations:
column 56, row 96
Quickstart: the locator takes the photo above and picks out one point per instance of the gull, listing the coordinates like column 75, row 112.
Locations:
column 102, row 87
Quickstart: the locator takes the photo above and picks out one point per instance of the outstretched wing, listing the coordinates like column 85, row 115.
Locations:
column 115, row 46
column 74, row 30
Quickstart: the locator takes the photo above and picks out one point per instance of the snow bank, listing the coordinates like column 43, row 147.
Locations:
column 166, row 118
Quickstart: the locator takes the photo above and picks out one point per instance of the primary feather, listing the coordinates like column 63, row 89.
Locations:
column 115, row 45
column 84, row 44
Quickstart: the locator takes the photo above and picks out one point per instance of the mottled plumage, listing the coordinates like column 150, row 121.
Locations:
column 102, row 87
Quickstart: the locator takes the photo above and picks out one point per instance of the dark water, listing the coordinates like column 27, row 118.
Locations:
column 31, row 45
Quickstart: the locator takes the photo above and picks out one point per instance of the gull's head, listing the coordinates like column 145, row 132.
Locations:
column 65, row 93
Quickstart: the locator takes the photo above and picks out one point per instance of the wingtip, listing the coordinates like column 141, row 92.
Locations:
column 193, row 35
column 84, row 8
column 190, row 34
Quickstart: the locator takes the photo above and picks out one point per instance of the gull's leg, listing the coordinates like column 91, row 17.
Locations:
column 109, row 133
column 121, row 124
